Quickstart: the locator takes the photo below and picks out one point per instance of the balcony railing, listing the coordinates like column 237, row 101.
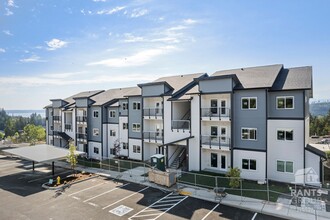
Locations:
column 81, row 136
column 181, row 124
column 68, row 127
column 81, row 119
column 55, row 133
column 57, row 118
column 215, row 141
column 153, row 136
column 216, row 112
column 153, row 112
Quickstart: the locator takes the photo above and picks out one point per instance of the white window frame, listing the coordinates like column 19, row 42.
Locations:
column 96, row 132
column 136, row 105
column 125, row 146
column 112, row 113
column 125, row 105
column 95, row 115
column 285, row 170
column 112, row 133
column 249, row 139
column 125, row 126
column 96, row 149
column 284, row 97
column 136, row 149
column 136, row 125
column 249, row 108
column 249, row 164
column 285, row 130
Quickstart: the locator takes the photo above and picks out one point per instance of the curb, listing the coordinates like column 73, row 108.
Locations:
column 64, row 186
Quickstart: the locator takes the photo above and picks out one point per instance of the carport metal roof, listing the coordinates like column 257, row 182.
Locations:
column 41, row 153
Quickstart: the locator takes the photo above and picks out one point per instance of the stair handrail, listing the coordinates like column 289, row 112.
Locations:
column 173, row 154
column 181, row 159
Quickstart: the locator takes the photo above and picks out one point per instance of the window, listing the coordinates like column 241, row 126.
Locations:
column 214, row 106
column 112, row 133
column 249, row 103
column 285, row 166
column 249, row 164
column 285, row 102
column 95, row 114
column 112, row 114
column 214, row 131
column 51, row 127
column 125, row 126
column 136, row 149
column 95, row 132
column 283, row 135
column 249, row 133
column 96, row 150
column 125, row 105
column 136, row 127
column 136, row 105
column 125, row 146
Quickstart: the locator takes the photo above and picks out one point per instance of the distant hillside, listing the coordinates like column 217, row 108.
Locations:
column 319, row 108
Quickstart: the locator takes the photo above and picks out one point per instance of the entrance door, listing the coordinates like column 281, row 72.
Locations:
column 223, row 108
column 214, row 106
column 214, row 160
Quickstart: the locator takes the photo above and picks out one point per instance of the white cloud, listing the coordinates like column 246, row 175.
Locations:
column 138, row 59
column 189, row 21
column 2, row 50
column 62, row 75
column 33, row 58
column 130, row 38
column 55, row 44
column 11, row 3
column 99, row 0
column 7, row 32
column 138, row 12
column 8, row 12
column 110, row 11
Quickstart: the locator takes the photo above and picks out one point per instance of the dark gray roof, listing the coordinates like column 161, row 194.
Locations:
column 254, row 77
column 113, row 94
column 179, row 81
column 294, row 78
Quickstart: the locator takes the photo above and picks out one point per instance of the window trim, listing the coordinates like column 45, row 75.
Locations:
column 135, row 129
column 98, row 150
column 285, row 169
column 249, row 164
column 249, row 108
column 249, row 134
column 125, row 126
column 98, row 132
column 137, row 104
column 113, row 115
column 285, row 130
column 284, row 97
column 111, row 133
column 137, row 148
column 94, row 111
column 125, row 104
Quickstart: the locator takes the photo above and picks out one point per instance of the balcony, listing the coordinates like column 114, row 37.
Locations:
column 81, row 119
column 81, row 137
column 181, row 124
column 68, row 127
column 216, row 114
column 57, row 118
column 216, row 142
column 153, row 113
column 153, row 136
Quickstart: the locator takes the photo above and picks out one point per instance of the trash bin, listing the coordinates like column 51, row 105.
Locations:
column 158, row 161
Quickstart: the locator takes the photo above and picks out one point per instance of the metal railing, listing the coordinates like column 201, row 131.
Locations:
column 216, row 112
column 153, row 112
column 68, row 126
column 153, row 136
column 215, row 141
column 81, row 136
column 181, row 124
column 81, row 119
column 55, row 133
column 57, row 118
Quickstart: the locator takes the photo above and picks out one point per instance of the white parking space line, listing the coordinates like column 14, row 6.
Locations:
column 76, row 198
column 86, row 189
column 93, row 204
column 125, row 198
column 210, row 212
column 161, row 211
column 106, row 192
column 45, row 177
column 170, row 200
column 254, row 216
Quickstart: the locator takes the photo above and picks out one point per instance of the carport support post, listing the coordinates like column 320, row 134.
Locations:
column 53, row 169
column 33, row 166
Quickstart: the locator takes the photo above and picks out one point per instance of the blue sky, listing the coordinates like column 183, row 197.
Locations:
column 53, row 49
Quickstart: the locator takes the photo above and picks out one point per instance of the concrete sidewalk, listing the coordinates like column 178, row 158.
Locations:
column 269, row 208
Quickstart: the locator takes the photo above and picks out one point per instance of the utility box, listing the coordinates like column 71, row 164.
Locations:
column 158, row 161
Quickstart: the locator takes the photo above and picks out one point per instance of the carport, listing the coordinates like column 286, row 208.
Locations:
column 41, row 153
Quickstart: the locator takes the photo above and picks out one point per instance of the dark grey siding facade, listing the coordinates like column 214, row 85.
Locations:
column 153, row 90
column 250, row 119
column 216, row 85
column 114, row 120
column 134, row 116
column 122, row 112
column 94, row 123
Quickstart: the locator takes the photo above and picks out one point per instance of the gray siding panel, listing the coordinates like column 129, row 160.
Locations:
column 57, row 103
column 94, row 123
column 115, row 119
column 216, row 85
column 134, row 116
column 250, row 119
column 299, row 105
column 81, row 103
column 122, row 112
column 153, row 90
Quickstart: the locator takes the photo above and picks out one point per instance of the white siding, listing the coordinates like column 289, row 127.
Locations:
column 206, row 160
column 112, row 139
column 313, row 161
column 135, row 156
column 123, row 135
column 285, row 150
column 194, row 147
column 91, row 146
column 260, row 157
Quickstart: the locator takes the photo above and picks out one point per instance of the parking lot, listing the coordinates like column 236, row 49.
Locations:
column 22, row 197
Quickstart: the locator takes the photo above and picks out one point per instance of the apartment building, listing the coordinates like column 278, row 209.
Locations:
column 256, row 119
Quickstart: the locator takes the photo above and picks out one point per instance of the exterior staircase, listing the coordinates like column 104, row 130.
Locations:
column 177, row 162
